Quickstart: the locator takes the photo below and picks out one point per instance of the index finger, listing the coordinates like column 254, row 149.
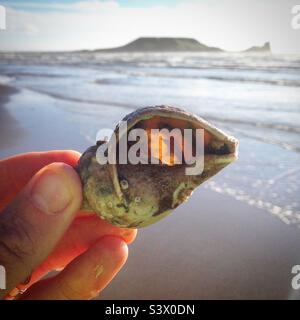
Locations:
column 16, row 171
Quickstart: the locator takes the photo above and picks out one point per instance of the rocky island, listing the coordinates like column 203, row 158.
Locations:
column 152, row 44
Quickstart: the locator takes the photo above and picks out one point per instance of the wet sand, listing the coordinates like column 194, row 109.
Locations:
column 211, row 247
column 32, row 123
column 10, row 129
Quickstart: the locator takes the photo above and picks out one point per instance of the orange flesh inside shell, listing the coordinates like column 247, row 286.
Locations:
column 158, row 141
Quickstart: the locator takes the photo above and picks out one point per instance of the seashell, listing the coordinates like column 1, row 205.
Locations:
column 138, row 195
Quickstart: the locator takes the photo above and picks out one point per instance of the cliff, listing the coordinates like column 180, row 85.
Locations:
column 265, row 48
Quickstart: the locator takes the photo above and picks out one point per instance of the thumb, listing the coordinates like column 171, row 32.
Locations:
column 31, row 226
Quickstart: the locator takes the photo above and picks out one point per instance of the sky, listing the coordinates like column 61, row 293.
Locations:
column 232, row 25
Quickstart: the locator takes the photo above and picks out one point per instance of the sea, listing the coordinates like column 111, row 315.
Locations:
column 254, row 97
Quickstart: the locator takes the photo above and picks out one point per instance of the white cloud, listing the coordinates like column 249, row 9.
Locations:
column 230, row 24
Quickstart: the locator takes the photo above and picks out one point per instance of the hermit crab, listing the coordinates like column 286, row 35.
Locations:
column 135, row 195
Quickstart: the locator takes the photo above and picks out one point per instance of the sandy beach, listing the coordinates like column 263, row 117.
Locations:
column 211, row 247
column 9, row 125
column 220, row 249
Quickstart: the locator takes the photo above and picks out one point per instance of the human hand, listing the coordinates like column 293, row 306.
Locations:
column 42, row 229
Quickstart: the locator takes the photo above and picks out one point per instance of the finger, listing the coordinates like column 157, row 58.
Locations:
column 85, row 276
column 16, row 171
column 32, row 225
column 81, row 235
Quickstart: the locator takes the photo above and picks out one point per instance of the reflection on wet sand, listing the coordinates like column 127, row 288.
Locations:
column 11, row 131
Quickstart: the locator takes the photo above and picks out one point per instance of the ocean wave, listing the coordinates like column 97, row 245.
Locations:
column 4, row 79
column 79, row 100
column 276, row 126
column 122, row 81
column 109, row 81
column 167, row 60
column 268, row 108
column 282, row 144
column 284, row 213
column 257, row 124
column 266, row 138
column 278, row 82
column 35, row 74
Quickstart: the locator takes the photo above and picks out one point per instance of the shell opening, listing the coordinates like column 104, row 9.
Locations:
column 173, row 154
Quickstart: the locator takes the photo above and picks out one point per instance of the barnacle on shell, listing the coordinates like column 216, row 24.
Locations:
column 137, row 195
